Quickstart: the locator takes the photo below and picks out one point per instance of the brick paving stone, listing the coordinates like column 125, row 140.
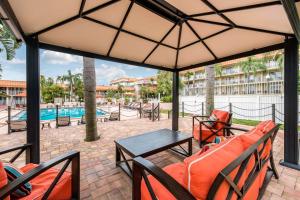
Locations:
column 101, row 179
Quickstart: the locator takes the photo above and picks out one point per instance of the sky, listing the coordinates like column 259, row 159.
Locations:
column 53, row 64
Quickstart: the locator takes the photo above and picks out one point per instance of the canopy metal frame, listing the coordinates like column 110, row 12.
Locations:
column 178, row 18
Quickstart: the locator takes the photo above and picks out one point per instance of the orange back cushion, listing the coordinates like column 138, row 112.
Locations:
column 266, row 126
column 222, row 116
column 3, row 178
column 201, row 170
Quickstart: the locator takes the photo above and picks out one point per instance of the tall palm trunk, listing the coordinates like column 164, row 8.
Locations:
column 210, row 85
column 89, row 81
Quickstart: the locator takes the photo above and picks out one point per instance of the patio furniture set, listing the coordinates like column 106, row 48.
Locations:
column 238, row 166
column 174, row 36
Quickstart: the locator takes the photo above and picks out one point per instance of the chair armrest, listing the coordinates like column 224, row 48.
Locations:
column 197, row 117
column 177, row 190
column 6, row 190
column 236, row 128
column 15, row 148
column 200, row 116
column 219, row 122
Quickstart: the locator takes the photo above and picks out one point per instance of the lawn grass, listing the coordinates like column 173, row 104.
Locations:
column 252, row 123
column 245, row 122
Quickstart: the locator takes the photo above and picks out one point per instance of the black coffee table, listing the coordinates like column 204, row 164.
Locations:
column 148, row 144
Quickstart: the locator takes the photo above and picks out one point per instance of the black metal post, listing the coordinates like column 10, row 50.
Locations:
column 182, row 109
column 119, row 111
column 158, row 111
column 140, row 110
column 273, row 113
column 230, row 107
column 56, row 118
column 152, row 112
column 8, row 119
column 291, row 63
column 33, row 99
column 175, row 101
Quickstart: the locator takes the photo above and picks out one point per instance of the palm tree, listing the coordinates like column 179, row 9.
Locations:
column 78, row 87
column 210, row 86
column 188, row 75
column 218, row 70
column 42, row 86
column 59, row 79
column 152, row 80
column 43, row 82
column 8, row 41
column 71, row 79
column 276, row 56
column 120, row 91
column 89, row 81
column 252, row 65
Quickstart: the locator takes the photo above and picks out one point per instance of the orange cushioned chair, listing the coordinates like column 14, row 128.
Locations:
column 46, row 181
column 204, row 133
column 237, row 168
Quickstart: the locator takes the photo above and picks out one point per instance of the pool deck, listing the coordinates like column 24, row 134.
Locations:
column 100, row 179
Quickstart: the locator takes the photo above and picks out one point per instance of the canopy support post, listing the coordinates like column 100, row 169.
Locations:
column 291, row 141
column 175, row 101
column 33, row 99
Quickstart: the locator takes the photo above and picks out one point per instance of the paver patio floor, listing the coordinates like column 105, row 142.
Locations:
column 101, row 179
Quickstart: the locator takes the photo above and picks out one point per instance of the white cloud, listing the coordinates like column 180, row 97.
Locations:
column 109, row 72
column 78, row 70
column 52, row 57
column 16, row 61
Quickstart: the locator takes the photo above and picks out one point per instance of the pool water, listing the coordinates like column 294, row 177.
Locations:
column 50, row 113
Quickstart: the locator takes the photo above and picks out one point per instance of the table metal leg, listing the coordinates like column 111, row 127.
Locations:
column 118, row 156
column 190, row 146
column 122, row 162
column 184, row 152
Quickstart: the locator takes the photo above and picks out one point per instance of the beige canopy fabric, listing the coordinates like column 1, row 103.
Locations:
column 165, row 33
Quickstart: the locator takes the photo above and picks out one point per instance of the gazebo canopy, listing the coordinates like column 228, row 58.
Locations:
column 164, row 34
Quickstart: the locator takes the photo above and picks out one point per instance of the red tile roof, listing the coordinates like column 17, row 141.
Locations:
column 105, row 88
column 12, row 84
column 124, row 79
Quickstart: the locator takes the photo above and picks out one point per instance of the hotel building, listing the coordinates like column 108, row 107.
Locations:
column 233, row 81
column 12, row 92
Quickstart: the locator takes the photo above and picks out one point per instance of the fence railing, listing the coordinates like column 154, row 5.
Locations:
column 240, row 110
column 151, row 111
column 138, row 111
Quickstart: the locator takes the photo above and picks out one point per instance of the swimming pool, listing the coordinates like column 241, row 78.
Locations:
column 50, row 113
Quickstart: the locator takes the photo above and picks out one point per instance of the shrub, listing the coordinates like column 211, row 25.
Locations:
column 166, row 99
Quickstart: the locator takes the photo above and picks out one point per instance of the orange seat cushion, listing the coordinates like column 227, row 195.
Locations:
column 3, row 178
column 206, row 132
column 41, row 183
column 201, row 170
column 176, row 171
